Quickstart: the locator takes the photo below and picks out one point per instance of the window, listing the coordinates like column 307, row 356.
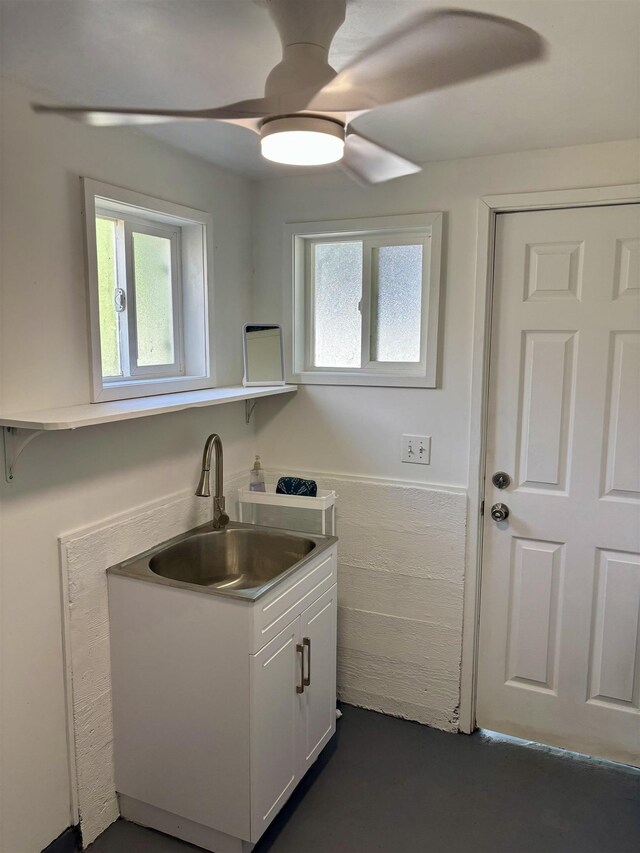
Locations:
column 363, row 299
column 148, row 294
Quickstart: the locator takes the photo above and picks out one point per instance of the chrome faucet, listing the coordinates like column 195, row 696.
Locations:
column 220, row 517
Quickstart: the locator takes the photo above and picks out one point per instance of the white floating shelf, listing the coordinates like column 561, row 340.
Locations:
column 91, row 414
column 20, row 428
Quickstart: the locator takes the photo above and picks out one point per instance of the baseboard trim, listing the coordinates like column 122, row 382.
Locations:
column 69, row 842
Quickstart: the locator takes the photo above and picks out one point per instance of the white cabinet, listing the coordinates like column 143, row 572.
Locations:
column 317, row 718
column 220, row 706
column 274, row 726
column 293, row 707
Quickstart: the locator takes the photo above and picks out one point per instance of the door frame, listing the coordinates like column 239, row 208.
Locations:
column 487, row 210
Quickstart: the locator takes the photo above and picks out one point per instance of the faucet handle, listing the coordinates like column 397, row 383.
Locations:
column 220, row 517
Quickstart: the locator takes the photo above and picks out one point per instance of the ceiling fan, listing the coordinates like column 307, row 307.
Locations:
column 307, row 112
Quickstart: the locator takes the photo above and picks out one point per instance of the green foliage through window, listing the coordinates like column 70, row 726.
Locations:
column 107, row 284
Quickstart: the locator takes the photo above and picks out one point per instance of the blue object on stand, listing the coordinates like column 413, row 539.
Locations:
column 297, row 486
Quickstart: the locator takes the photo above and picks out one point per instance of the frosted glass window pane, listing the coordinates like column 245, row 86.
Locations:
column 107, row 284
column 154, row 302
column 338, row 291
column 396, row 336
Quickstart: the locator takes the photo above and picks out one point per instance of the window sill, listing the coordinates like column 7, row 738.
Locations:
column 91, row 414
column 138, row 387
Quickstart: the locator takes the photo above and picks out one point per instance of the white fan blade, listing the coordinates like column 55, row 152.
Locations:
column 434, row 50
column 252, row 124
column 370, row 163
column 107, row 116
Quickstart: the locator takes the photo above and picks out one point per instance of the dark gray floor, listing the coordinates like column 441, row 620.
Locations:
column 390, row 786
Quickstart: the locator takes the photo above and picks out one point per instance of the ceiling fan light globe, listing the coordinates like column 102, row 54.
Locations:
column 302, row 141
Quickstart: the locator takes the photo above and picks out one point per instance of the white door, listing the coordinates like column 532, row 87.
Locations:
column 559, row 658
column 318, row 701
column 276, row 672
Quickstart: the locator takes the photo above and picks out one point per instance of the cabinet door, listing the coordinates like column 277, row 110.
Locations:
column 275, row 674
column 318, row 701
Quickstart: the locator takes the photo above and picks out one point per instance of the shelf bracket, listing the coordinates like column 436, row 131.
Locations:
column 14, row 442
column 249, row 406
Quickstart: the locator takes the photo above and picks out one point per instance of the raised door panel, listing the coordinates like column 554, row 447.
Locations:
column 546, row 411
column 318, row 702
column 614, row 671
column 535, row 583
column 622, row 446
column 553, row 271
column 275, row 672
column 627, row 271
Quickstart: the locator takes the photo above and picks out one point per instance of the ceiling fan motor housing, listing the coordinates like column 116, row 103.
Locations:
column 310, row 21
column 309, row 123
column 302, row 67
column 306, row 29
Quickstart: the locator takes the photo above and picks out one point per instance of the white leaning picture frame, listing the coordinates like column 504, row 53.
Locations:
column 247, row 381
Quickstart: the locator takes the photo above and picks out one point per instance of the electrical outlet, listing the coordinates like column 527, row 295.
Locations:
column 416, row 449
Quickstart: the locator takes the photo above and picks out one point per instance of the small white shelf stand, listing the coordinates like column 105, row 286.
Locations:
column 324, row 501
column 20, row 428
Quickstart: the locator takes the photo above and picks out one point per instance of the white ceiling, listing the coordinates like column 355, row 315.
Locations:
column 198, row 53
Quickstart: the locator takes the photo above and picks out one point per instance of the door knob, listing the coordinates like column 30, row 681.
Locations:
column 499, row 512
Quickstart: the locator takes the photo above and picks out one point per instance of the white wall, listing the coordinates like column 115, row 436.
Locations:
column 401, row 559
column 357, row 430
column 72, row 479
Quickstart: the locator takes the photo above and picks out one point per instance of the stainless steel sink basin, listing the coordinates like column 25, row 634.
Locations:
column 243, row 560
column 231, row 559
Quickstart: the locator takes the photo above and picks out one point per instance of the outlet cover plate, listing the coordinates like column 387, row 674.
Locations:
column 416, row 449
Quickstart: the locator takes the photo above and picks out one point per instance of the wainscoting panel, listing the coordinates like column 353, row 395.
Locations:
column 400, row 592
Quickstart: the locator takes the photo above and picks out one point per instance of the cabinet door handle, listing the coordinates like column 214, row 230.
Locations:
column 307, row 642
column 300, row 687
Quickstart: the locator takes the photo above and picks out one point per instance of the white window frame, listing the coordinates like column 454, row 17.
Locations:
column 374, row 232
column 190, row 232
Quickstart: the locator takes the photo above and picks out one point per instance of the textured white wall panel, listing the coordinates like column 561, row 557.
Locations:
column 400, row 590
column 382, row 591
